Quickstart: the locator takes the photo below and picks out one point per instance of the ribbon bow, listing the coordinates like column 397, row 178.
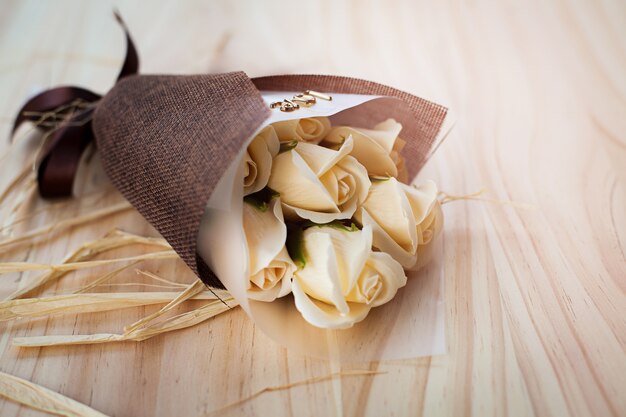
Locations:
column 64, row 114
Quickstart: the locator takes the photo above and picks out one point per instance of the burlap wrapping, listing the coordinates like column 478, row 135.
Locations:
column 165, row 141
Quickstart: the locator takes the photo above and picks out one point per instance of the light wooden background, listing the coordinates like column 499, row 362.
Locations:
column 535, row 306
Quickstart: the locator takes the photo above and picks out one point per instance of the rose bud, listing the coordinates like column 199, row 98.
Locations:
column 403, row 219
column 309, row 129
column 342, row 278
column 377, row 149
column 319, row 184
column 258, row 160
column 270, row 267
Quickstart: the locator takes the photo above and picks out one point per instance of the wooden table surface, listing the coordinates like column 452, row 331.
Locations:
column 534, row 294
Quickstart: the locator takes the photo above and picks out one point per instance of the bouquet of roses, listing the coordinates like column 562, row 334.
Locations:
column 329, row 218
column 301, row 208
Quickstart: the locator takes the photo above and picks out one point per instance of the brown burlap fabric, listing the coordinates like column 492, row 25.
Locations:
column 165, row 141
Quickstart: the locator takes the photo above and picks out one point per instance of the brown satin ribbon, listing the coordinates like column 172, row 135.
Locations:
column 68, row 139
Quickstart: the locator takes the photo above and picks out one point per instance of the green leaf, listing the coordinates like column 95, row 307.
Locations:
column 295, row 244
column 261, row 199
column 378, row 178
column 343, row 225
column 287, row 146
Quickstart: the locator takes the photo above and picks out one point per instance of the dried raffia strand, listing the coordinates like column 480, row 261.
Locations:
column 112, row 240
column 158, row 278
column 100, row 282
column 29, row 171
column 139, row 284
column 85, row 201
column 20, row 199
column 104, row 278
column 87, row 303
column 8, row 267
column 192, row 290
column 9, row 224
column 26, row 173
column 180, row 321
column 308, row 381
column 40, row 398
column 447, row 198
column 63, row 224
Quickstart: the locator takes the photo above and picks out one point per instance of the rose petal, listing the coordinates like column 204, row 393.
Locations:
column 258, row 160
column 351, row 251
column 382, row 241
column 391, row 274
column 249, row 172
column 422, row 198
column 359, row 174
column 321, row 159
column 389, row 207
column 399, row 160
column 295, row 213
column 265, row 234
column 366, row 150
column 320, row 277
column 367, row 287
column 385, row 133
column 325, row 315
column 274, row 280
column 298, row 185
column 426, row 251
column 311, row 130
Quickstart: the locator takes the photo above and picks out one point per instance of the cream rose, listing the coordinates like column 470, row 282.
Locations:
column 377, row 149
column 343, row 279
column 427, row 231
column 319, row 184
column 404, row 219
column 270, row 267
column 308, row 129
column 258, row 160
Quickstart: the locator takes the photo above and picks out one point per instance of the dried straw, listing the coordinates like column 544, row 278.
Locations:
column 113, row 240
column 104, row 278
column 20, row 199
column 177, row 322
column 8, row 267
column 87, row 303
column 192, row 290
column 308, row 381
column 26, row 173
column 158, row 278
column 64, row 224
column 448, row 198
column 85, row 201
column 43, row 399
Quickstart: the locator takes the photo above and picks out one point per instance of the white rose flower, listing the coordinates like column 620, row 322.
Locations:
column 427, row 231
column 258, row 160
column 377, row 149
column 404, row 219
column 308, row 129
column 271, row 268
column 343, row 279
column 319, row 184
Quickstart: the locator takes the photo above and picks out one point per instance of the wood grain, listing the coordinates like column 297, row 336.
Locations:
column 535, row 304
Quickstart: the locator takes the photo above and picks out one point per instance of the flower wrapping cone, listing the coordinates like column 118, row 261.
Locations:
column 165, row 141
